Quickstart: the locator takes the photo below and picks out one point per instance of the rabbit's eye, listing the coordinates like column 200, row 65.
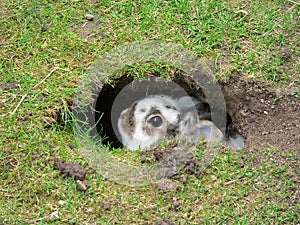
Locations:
column 155, row 121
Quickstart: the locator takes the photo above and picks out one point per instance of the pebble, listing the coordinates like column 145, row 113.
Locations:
column 286, row 53
column 54, row 215
column 89, row 17
column 81, row 185
column 176, row 206
column 62, row 202
column 89, row 210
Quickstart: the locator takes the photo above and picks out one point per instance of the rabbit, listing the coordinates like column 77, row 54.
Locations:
column 154, row 118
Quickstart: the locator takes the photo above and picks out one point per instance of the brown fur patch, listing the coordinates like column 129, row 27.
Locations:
column 147, row 130
column 128, row 120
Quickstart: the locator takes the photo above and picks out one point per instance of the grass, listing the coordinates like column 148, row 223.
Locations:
column 245, row 37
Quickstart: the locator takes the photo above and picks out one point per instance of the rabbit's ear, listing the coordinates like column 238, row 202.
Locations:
column 128, row 115
column 186, row 103
column 209, row 131
column 126, row 122
column 123, row 114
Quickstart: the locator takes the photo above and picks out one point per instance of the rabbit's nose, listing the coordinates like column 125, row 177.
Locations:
column 172, row 130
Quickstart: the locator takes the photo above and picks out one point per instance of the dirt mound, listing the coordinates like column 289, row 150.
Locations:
column 265, row 116
column 71, row 169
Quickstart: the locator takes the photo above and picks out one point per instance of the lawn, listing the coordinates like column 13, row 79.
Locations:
column 46, row 47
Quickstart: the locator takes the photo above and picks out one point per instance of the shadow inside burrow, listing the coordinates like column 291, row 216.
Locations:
column 177, row 85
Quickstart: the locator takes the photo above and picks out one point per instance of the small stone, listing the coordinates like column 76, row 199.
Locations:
column 81, row 185
column 89, row 210
column 184, row 178
column 89, row 17
column 62, row 202
column 54, row 215
column 46, row 26
column 105, row 206
column 286, row 53
column 176, row 206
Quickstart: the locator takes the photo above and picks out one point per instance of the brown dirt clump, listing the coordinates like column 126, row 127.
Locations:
column 174, row 159
column 164, row 222
column 266, row 117
column 71, row 169
column 8, row 86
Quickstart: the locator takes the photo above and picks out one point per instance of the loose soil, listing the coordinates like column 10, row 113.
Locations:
column 265, row 116
column 71, row 169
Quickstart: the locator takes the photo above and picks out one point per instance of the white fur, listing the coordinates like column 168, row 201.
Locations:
column 182, row 114
column 139, row 139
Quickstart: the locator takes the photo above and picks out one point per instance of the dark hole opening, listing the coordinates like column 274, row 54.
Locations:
column 108, row 94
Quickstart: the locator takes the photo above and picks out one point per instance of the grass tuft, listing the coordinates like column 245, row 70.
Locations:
column 257, row 39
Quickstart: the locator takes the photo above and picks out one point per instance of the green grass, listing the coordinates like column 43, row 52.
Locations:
column 235, row 36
